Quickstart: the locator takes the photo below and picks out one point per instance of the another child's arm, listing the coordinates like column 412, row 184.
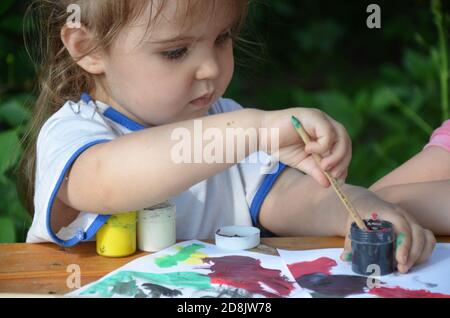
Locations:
column 431, row 164
column 137, row 170
column 298, row 206
column 421, row 185
column 428, row 202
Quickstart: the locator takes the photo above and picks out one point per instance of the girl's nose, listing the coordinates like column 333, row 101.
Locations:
column 208, row 69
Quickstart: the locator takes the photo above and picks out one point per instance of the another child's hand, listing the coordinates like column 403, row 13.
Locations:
column 413, row 245
column 329, row 139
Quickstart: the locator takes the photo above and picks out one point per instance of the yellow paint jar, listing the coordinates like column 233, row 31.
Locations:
column 117, row 237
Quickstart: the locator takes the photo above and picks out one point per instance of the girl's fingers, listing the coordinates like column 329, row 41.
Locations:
column 341, row 169
column 318, row 175
column 340, row 155
column 340, row 178
column 319, row 146
column 417, row 247
column 428, row 248
column 403, row 236
column 339, row 159
column 323, row 136
column 346, row 255
column 429, row 241
column 309, row 166
column 343, row 176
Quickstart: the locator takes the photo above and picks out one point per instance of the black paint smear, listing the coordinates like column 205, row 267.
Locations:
column 333, row 285
column 140, row 294
column 157, row 290
column 124, row 288
column 227, row 292
column 128, row 289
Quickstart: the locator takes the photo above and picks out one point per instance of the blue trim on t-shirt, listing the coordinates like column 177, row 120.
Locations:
column 99, row 220
column 115, row 115
column 86, row 98
column 121, row 119
column 262, row 192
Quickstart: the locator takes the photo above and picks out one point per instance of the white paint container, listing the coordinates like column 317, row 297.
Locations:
column 156, row 227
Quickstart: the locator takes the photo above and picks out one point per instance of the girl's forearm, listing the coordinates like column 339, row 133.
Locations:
column 141, row 169
column 428, row 202
column 298, row 206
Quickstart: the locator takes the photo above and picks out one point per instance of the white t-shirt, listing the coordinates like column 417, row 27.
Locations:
column 232, row 197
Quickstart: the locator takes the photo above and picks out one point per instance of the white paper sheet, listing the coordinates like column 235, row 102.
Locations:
column 197, row 269
column 320, row 272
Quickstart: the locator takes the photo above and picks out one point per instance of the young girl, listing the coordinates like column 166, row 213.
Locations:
column 149, row 69
column 422, row 184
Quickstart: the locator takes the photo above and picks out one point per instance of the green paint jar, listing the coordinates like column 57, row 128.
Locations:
column 117, row 237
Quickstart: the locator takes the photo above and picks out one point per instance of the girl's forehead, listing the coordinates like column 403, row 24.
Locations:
column 173, row 18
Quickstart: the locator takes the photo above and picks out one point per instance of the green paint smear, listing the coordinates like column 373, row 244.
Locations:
column 123, row 283
column 400, row 239
column 296, row 122
column 182, row 255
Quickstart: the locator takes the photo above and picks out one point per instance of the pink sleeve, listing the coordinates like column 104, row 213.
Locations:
column 441, row 137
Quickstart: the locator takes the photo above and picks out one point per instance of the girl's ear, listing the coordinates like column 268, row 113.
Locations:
column 78, row 42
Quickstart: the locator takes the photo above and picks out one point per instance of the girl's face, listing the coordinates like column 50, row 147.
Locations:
column 155, row 78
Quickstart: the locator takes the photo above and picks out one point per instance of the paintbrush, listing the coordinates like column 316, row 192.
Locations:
column 337, row 188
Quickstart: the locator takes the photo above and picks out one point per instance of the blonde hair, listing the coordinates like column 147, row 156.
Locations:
column 60, row 78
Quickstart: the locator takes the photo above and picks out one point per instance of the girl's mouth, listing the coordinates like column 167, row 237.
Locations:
column 203, row 101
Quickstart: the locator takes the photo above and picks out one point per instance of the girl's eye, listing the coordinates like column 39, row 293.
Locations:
column 175, row 54
column 223, row 38
column 179, row 53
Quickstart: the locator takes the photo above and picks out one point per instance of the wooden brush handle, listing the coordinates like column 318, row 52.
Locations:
column 337, row 188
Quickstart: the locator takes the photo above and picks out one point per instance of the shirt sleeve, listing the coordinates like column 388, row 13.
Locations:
column 258, row 172
column 62, row 139
column 441, row 137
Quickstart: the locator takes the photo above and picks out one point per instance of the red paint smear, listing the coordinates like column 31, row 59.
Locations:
column 398, row 292
column 247, row 273
column 321, row 265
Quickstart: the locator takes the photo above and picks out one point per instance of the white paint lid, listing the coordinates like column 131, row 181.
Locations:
column 237, row 237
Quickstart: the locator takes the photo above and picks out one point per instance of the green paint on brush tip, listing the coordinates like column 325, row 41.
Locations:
column 400, row 239
column 295, row 122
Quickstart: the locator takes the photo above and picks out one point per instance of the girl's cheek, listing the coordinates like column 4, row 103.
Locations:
column 227, row 75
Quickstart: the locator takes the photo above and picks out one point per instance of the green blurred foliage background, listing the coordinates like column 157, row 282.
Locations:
column 382, row 84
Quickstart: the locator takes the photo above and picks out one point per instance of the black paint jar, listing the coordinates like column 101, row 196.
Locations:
column 373, row 247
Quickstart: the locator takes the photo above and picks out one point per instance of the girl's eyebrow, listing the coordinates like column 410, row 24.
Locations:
column 176, row 39
column 180, row 38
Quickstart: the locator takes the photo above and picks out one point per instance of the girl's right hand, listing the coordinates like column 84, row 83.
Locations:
column 329, row 139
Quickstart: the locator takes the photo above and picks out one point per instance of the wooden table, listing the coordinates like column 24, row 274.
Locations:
column 42, row 268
